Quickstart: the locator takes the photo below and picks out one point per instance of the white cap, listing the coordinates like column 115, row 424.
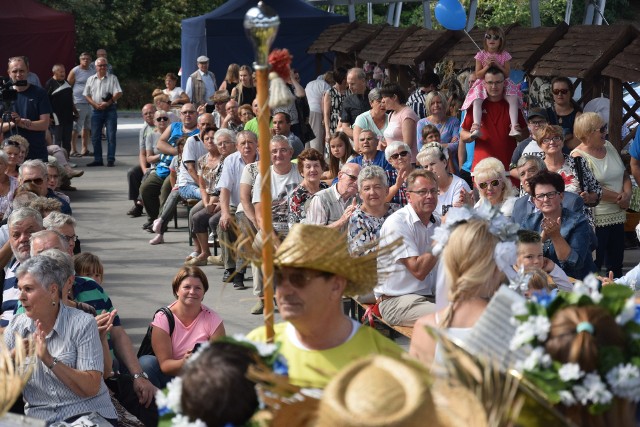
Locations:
column 202, row 58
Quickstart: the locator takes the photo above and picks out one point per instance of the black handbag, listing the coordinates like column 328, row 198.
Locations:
column 145, row 345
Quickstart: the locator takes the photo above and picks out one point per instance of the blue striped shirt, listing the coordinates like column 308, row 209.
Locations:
column 74, row 340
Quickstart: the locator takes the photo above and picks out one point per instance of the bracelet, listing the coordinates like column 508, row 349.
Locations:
column 53, row 364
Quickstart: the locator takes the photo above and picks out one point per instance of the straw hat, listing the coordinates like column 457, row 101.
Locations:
column 383, row 391
column 325, row 249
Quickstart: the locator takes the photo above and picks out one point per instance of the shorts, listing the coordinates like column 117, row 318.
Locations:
column 84, row 117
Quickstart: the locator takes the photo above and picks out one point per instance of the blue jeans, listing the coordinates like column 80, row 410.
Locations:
column 190, row 191
column 108, row 118
column 150, row 365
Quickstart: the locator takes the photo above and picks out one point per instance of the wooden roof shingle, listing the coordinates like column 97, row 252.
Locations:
column 329, row 36
column 423, row 44
column 625, row 66
column 527, row 45
column 385, row 43
column 584, row 51
column 354, row 40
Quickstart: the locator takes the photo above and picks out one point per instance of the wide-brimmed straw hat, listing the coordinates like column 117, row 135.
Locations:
column 382, row 391
column 325, row 249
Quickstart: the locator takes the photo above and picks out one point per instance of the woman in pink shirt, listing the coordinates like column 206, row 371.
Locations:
column 194, row 324
column 402, row 121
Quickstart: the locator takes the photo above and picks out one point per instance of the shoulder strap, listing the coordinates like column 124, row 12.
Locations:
column 167, row 312
column 577, row 160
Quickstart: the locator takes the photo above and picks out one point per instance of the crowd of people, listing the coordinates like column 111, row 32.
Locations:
column 394, row 199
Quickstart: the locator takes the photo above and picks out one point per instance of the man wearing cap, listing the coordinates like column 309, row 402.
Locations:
column 202, row 83
column 313, row 270
column 407, row 276
column 529, row 147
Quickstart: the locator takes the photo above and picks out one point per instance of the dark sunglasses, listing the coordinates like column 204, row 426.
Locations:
column 298, row 278
column 36, row 181
column 398, row 155
column 11, row 143
column 162, row 119
column 493, row 183
column 492, row 37
column 560, row 91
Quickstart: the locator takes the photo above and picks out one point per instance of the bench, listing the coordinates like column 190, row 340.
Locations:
column 358, row 310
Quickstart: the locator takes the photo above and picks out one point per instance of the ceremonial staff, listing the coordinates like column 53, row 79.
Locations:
column 261, row 26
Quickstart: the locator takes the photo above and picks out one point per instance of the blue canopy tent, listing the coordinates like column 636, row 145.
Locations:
column 220, row 35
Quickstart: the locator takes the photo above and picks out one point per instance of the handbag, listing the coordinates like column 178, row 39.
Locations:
column 145, row 345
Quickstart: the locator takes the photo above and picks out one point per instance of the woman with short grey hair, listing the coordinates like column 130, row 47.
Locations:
column 367, row 219
column 375, row 119
column 398, row 154
column 69, row 363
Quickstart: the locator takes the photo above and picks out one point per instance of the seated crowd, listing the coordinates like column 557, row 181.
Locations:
column 355, row 209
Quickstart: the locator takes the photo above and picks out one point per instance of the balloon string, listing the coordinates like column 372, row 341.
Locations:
column 472, row 41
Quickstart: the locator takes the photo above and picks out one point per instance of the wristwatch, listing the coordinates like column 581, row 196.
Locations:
column 142, row 374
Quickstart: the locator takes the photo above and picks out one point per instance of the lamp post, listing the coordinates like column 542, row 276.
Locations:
column 261, row 26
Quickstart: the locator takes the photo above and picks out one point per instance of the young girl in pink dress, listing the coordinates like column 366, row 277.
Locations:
column 493, row 55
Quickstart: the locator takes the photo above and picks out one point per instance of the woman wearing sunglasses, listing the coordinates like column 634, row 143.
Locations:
column 493, row 185
column 564, row 110
column 577, row 176
column 161, row 120
column 605, row 163
column 398, row 154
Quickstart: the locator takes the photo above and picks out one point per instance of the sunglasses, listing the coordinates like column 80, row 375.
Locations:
column 554, row 139
column 560, row 91
column 162, row 119
column 36, row 181
column 492, row 37
column 298, row 278
column 493, row 183
column 398, row 155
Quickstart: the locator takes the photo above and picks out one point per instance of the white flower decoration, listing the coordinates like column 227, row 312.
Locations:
column 624, row 380
column 534, row 327
column 537, row 357
column 567, row 398
column 628, row 312
column 519, row 308
column 570, row 372
column 264, row 349
column 180, row 420
column 592, row 389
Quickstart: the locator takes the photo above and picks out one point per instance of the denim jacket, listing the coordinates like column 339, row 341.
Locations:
column 575, row 229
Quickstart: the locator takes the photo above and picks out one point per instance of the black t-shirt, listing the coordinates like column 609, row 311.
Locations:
column 31, row 104
column 61, row 98
column 353, row 106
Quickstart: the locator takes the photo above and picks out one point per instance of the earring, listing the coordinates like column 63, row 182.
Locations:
column 53, row 303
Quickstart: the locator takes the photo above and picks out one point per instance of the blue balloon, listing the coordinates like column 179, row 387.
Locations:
column 451, row 14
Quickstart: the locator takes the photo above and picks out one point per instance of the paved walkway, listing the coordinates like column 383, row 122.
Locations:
column 137, row 275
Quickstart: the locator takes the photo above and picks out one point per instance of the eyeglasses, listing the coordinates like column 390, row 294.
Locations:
column 36, row 181
column 493, row 183
column 398, row 155
column 550, row 195
column 352, row 177
column 101, row 65
column 603, row 129
column 538, row 123
column 494, row 83
column 553, row 138
column 422, row 193
column 222, row 144
column 188, row 112
column 560, row 91
column 297, row 278
column 162, row 119
column 492, row 37
column 70, row 239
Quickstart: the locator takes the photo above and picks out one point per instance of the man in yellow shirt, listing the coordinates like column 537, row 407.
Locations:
column 313, row 270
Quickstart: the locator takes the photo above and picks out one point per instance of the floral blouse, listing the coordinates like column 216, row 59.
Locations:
column 365, row 228
column 297, row 202
column 210, row 175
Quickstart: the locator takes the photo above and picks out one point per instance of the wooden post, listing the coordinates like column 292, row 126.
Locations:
column 615, row 113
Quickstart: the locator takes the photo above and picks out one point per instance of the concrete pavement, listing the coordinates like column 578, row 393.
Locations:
column 137, row 275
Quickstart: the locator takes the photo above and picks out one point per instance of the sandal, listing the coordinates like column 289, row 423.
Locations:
column 191, row 256
column 86, row 154
column 75, row 154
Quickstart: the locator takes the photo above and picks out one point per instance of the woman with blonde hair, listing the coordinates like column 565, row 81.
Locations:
column 245, row 91
column 472, row 278
column 494, row 186
column 607, row 167
column 232, row 77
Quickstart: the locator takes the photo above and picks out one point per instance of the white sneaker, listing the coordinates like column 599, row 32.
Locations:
column 157, row 240
column 212, row 238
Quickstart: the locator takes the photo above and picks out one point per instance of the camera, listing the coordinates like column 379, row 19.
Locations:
column 7, row 92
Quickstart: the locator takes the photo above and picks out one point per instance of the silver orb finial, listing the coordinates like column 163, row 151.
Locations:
column 261, row 26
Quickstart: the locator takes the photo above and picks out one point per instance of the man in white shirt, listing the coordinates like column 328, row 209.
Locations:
column 193, row 149
column 315, row 91
column 407, row 276
column 202, row 83
column 284, row 179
